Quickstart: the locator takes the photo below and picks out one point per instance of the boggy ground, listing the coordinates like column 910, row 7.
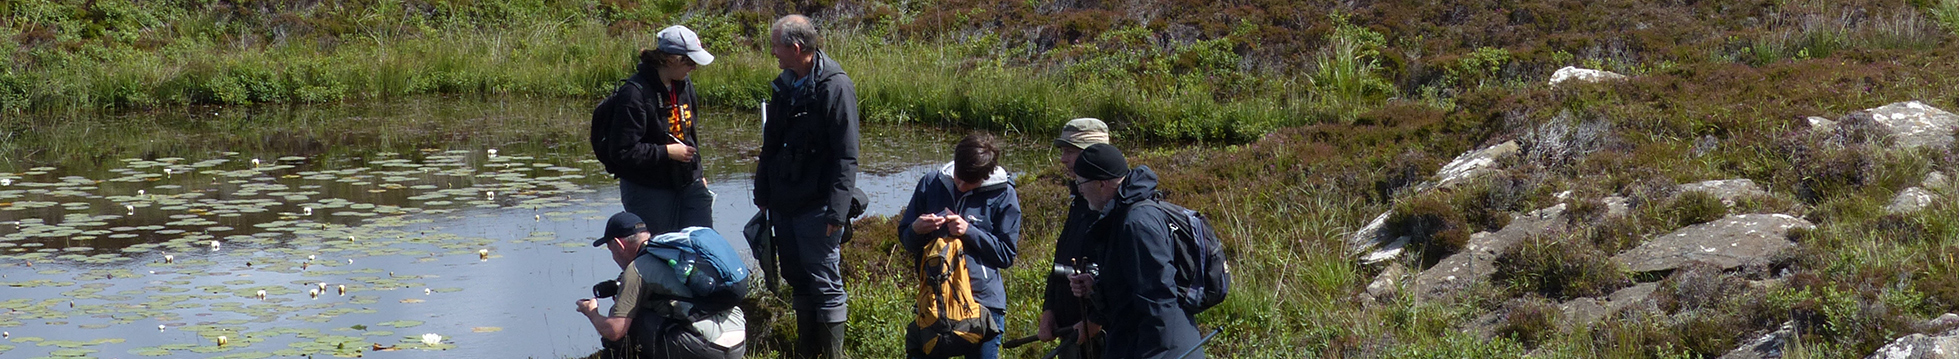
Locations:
column 1313, row 117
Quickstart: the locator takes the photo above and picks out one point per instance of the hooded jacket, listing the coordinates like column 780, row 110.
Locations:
column 809, row 144
column 632, row 144
column 992, row 236
column 1134, row 296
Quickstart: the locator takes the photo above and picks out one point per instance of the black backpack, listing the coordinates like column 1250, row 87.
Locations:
column 602, row 119
column 1203, row 274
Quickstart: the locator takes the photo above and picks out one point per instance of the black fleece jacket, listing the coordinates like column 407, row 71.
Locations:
column 633, row 144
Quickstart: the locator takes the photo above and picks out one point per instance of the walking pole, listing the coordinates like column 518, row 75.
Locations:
column 1200, row 343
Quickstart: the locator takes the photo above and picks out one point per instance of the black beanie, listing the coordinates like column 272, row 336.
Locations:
column 1101, row 162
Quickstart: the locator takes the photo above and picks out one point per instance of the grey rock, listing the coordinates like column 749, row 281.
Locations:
column 1617, row 206
column 1768, row 346
column 1822, row 125
column 1920, row 346
column 1910, row 200
column 1372, row 243
column 1936, row 181
column 1583, row 312
column 1477, row 261
column 1583, row 75
column 1943, row 321
column 1387, row 285
column 1725, row 243
column 1727, row 190
column 1914, row 124
column 1474, row 164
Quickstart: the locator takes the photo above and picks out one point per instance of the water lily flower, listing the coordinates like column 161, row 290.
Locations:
column 322, row 286
column 431, row 338
column 311, row 257
column 313, row 292
column 131, row 208
column 261, row 294
column 343, row 289
column 307, row 210
column 166, row 171
column 169, row 258
column 493, row 152
column 222, row 340
column 483, row 254
column 6, row 181
column 426, row 291
column 255, row 162
column 159, row 327
column 214, row 245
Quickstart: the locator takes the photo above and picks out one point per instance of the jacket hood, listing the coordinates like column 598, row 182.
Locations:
column 825, row 69
column 994, row 181
column 1139, row 186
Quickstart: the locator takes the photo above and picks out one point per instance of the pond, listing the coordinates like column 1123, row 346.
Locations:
column 407, row 228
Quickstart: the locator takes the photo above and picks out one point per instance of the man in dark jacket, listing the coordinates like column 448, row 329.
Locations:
column 1060, row 308
column 1134, row 298
column 972, row 199
column 805, row 177
column 644, row 134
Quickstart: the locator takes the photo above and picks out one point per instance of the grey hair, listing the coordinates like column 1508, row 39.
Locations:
column 796, row 30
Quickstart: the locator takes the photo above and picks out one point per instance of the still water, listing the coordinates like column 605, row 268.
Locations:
column 418, row 228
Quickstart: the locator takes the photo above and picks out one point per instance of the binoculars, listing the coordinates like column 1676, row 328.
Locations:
column 605, row 289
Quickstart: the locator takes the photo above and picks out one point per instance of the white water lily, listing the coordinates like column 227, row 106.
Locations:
column 141, row 192
column 222, row 340
column 343, row 289
column 492, row 194
column 483, row 254
column 159, row 327
column 493, row 152
column 307, row 210
column 323, row 286
column 315, row 293
column 166, row 171
column 261, row 294
column 131, row 208
column 255, row 162
column 169, row 258
column 214, row 245
column 6, row 181
column 431, row 338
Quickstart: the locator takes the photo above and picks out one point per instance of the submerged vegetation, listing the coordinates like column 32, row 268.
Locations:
column 1317, row 116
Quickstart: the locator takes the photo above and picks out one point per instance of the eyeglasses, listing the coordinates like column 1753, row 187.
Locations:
column 1079, row 181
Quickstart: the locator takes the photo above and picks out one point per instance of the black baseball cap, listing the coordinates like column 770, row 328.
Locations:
column 621, row 225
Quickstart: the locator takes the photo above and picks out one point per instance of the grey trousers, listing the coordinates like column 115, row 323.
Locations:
column 809, row 262
column 668, row 210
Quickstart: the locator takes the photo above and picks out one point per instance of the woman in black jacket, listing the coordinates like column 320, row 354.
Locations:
column 644, row 134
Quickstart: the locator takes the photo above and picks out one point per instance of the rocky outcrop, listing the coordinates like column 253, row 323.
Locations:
column 1374, row 243
column 1573, row 73
column 1914, row 124
column 1920, row 346
column 1583, row 312
column 1768, row 346
column 1477, row 261
column 1727, row 190
column 1726, row 243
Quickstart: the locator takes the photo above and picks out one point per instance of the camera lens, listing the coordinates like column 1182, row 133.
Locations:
column 605, row 289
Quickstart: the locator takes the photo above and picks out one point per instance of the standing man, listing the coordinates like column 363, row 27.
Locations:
column 805, row 177
column 1134, row 298
column 644, row 134
column 1060, row 308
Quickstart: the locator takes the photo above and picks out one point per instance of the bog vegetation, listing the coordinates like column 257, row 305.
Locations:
column 1308, row 117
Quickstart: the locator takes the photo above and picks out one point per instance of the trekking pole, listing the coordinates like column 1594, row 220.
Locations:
column 1200, row 343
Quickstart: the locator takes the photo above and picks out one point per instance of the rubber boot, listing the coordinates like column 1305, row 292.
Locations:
column 833, row 340
column 808, row 337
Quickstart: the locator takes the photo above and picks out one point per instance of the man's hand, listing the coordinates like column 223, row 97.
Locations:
column 588, row 305
column 680, row 152
column 956, row 225
column 1045, row 330
column 926, row 223
column 1081, row 284
column 1085, row 329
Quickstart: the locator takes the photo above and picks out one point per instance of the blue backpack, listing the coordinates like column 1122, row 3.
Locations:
column 1203, row 276
column 709, row 267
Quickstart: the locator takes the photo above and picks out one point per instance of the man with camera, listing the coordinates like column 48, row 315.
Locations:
column 647, row 297
column 1133, row 298
column 1060, row 309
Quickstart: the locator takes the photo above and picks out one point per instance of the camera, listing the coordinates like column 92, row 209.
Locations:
column 1063, row 271
column 605, row 289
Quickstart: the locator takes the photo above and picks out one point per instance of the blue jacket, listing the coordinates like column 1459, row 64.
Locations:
column 1134, row 296
column 992, row 241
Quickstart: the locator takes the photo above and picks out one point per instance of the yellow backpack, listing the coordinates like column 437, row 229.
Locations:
column 950, row 322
